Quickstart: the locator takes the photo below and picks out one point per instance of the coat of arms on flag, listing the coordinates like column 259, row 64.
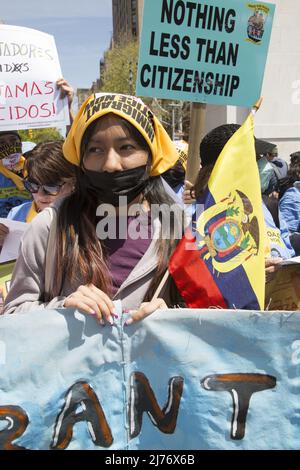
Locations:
column 228, row 232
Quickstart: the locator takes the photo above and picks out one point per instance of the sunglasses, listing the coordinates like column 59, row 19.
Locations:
column 49, row 189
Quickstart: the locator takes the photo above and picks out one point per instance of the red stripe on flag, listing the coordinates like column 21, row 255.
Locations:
column 192, row 277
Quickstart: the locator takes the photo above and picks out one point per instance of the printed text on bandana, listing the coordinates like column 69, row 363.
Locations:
column 137, row 111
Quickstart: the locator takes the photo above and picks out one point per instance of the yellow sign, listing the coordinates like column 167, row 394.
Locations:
column 283, row 292
column 6, row 270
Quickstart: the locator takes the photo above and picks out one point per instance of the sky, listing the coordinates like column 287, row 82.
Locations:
column 82, row 31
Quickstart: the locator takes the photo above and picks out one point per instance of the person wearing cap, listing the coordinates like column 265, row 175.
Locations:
column 289, row 205
column 269, row 179
column 294, row 158
column 12, row 191
column 120, row 149
column 212, row 145
column 279, row 164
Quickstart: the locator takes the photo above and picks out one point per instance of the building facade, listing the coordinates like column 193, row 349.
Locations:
column 278, row 119
column 127, row 19
column 82, row 95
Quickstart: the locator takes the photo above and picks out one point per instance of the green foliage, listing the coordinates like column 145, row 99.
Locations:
column 119, row 75
column 231, row 211
column 40, row 135
column 245, row 242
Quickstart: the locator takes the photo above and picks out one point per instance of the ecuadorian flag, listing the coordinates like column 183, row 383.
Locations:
column 220, row 260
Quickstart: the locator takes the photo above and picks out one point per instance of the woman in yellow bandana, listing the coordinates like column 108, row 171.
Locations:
column 120, row 150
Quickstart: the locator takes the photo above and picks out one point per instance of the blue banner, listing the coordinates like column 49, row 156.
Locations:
column 212, row 52
column 181, row 379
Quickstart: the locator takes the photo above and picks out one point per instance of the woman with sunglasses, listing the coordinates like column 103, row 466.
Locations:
column 120, row 149
column 49, row 177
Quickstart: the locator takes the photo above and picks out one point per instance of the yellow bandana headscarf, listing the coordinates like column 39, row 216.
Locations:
column 12, row 176
column 32, row 213
column 164, row 153
column 182, row 148
column 5, row 151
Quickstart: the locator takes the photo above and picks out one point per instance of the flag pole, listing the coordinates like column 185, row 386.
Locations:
column 197, row 127
column 256, row 106
column 161, row 284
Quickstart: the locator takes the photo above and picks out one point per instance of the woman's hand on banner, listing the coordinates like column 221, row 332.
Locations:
column 145, row 310
column 92, row 301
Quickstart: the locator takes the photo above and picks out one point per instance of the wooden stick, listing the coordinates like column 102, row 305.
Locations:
column 161, row 285
column 256, row 106
column 197, row 127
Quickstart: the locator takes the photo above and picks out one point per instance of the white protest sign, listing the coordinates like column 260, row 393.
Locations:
column 295, row 260
column 10, row 248
column 29, row 68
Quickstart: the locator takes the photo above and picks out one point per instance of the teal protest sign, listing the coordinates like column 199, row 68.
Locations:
column 210, row 51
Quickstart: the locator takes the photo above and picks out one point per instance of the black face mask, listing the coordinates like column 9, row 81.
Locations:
column 110, row 186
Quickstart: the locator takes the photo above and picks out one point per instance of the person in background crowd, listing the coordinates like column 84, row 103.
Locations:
column 120, row 149
column 268, row 178
column 49, row 176
column 289, row 205
column 175, row 175
column 289, row 180
column 12, row 191
column 215, row 145
column 210, row 148
column 279, row 164
column 294, row 158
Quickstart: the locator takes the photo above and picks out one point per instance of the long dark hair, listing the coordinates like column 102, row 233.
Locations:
column 156, row 194
column 175, row 175
column 210, row 148
column 292, row 176
column 80, row 255
column 201, row 183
